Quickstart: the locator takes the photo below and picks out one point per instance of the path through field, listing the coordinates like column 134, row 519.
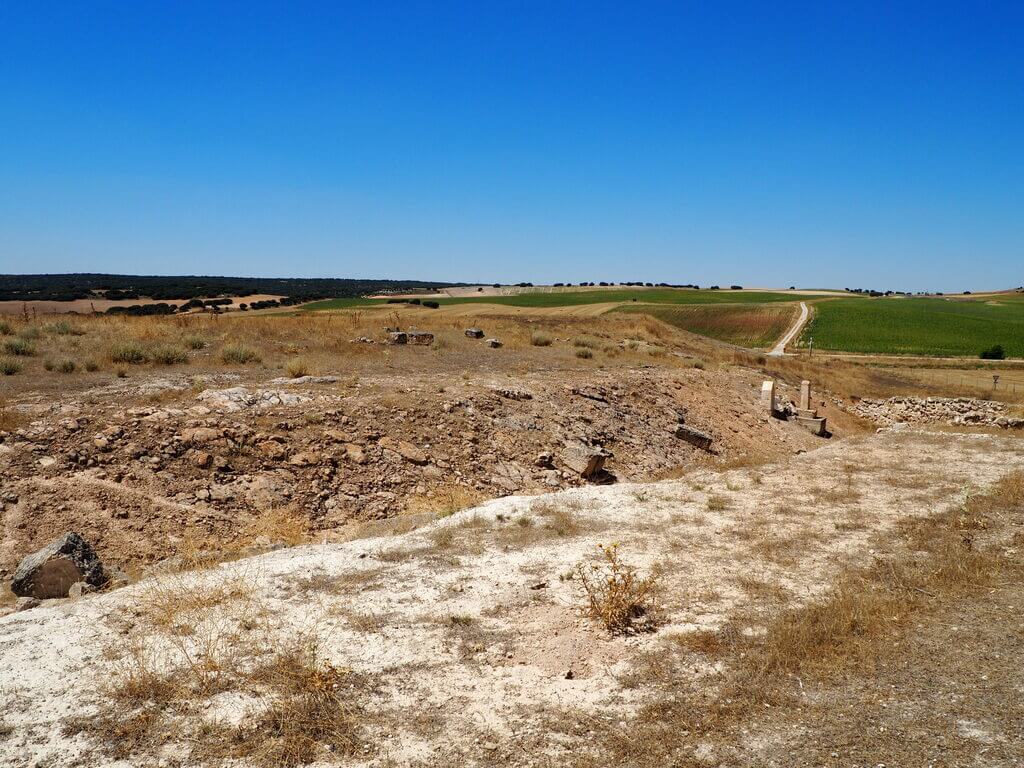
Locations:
column 780, row 348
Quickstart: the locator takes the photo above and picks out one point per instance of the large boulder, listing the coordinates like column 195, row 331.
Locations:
column 52, row 570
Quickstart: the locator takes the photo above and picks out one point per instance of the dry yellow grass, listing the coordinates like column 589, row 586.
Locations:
column 195, row 640
column 959, row 554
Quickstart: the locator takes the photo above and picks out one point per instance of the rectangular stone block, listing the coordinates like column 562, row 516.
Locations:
column 805, row 395
column 768, row 396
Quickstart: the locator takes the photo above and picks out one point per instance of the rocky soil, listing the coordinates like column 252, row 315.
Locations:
column 470, row 629
column 138, row 467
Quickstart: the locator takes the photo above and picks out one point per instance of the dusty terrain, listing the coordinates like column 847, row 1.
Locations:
column 336, row 552
column 472, row 629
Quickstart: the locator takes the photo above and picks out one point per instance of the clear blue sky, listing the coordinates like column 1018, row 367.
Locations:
column 821, row 144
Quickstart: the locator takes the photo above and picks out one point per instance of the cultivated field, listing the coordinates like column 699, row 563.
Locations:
column 594, row 296
column 745, row 325
column 919, row 326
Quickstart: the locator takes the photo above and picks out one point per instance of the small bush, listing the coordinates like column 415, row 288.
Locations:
column 64, row 366
column 540, row 339
column 586, row 341
column 195, row 342
column 616, row 596
column 5, row 328
column 584, row 354
column 297, row 367
column 431, row 304
column 129, row 352
column 236, row 354
column 122, row 373
column 92, row 366
column 995, row 352
column 19, row 347
column 64, row 328
column 29, row 332
column 169, row 356
column 9, row 367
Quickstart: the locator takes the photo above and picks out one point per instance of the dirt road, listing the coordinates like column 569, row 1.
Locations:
column 780, row 348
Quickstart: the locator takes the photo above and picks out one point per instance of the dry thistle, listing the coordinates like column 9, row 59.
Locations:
column 616, row 595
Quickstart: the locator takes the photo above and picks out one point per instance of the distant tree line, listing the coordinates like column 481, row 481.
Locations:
column 71, row 287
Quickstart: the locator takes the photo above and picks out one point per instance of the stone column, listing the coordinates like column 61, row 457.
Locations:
column 805, row 395
column 768, row 396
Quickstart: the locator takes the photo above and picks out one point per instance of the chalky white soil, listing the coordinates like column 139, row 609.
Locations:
column 487, row 684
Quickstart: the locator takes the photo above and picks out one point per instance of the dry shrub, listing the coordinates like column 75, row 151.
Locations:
column 168, row 355
column 9, row 367
column 238, row 354
column 584, row 354
column 616, row 596
column 717, row 502
column 540, row 339
column 445, row 500
column 284, row 525
column 130, row 352
column 297, row 367
column 19, row 347
column 315, row 707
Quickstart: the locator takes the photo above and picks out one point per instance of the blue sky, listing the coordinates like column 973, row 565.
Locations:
column 875, row 145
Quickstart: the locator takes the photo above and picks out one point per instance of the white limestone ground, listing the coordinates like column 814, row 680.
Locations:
column 487, row 683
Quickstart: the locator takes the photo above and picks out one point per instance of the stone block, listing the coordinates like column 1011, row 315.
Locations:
column 805, row 395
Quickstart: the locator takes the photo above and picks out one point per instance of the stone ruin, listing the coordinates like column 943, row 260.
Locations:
column 804, row 415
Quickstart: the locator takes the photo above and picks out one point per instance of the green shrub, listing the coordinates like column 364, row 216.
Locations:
column 65, row 366
column 5, row 328
column 130, row 352
column 540, row 339
column 431, row 304
column 169, row 355
column 236, row 354
column 19, row 347
column 195, row 342
column 993, row 353
column 29, row 332
column 586, row 341
column 584, row 353
column 9, row 367
column 64, row 328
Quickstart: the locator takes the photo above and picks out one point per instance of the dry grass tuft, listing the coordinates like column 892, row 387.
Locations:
column 284, row 525
column 445, row 500
column 238, row 354
column 540, row 339
column 297, row 367
column 616, row 596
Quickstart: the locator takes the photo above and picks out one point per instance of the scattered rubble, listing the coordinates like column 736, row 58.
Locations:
column 954, row 411
column 135, row 480
column 240, row 398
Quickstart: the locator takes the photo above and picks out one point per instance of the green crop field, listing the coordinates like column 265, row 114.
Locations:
column 326, row 304
column 919, row 326
column 649, row 295
column 748, row 325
